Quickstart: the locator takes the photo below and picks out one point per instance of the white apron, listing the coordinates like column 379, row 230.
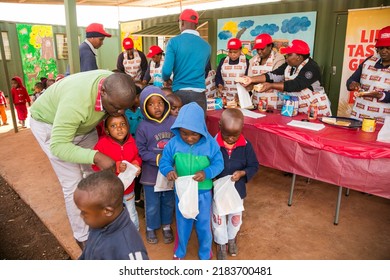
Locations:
column 257, row 69
column 372, row 79
column 132, row 66
column 306, row 96
column 211, row 89
column 154, row 70
column 229, row 74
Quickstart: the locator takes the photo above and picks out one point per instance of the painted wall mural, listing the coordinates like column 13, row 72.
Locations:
column 37, row 53
column 283, row 28
column 127, row 29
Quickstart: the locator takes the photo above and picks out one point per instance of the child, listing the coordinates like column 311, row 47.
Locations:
column 119, row 145
column 134, row 116
column 3, row 105
column 20, row 98
column 49, row 82
column 175, row 103
column 112, row 235
column 240, row 161
column 152, row 135
column 193, row 151
column 167, row 91
column 38, row 90
column 229, row 69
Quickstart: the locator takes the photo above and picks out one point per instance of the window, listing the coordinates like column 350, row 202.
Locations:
column 7, row 49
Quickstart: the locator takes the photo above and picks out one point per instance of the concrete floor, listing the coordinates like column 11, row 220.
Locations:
column 271, row 230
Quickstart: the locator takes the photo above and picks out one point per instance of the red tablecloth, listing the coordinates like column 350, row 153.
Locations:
column 340, row 156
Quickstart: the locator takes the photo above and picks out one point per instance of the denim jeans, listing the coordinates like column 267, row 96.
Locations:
column 159, row 207
column 129, row 200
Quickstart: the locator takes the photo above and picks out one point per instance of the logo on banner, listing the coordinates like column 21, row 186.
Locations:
column 373, row 109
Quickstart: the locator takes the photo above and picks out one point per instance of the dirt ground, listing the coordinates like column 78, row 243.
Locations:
column 23, row 236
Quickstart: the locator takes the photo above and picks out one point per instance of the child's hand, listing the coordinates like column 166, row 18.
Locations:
column 122, row 167
column 237, row 175
column 199, row 176
column 29, row 104
column 139, row 170
column 172, row 175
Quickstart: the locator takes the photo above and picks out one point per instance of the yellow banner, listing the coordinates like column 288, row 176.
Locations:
column 362, row 30
column 128, row 28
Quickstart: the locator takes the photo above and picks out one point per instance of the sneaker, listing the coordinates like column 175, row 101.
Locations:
column 232, row 246
column 6, row 123
column 168, row 236
column 221, row 252
column 176, row 258
column 140, row 203
column 151, row 237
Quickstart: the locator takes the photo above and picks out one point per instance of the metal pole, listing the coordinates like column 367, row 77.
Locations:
column 7, row 82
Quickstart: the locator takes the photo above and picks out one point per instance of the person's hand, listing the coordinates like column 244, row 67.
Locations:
column 104, row 162
column 375, row 94
column 265, row 87
column 237, row 175
column 354, row 86
column 168, row 83
column 220, row 89
column 199, row 176
column 139, row 170
column 246, row 81
column 122, row 167
column 172, row 175
column 29, row 104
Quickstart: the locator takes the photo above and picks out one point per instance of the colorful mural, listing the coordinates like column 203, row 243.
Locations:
column 128, row 28
column 37, row 53
column 283, row 28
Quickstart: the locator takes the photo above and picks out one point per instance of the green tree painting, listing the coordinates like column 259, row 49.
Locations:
column 37, row 53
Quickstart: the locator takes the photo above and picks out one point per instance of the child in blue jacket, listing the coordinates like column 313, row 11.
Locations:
column 240, row 162
column 193, row 151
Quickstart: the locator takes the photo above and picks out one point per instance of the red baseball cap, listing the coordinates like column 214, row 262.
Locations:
column 128, row 43
column 262, row 40
column 234, row 44
column 297, row 46
column 383, row 37
column 96, row 30
column 189, row 15
column 153, row 50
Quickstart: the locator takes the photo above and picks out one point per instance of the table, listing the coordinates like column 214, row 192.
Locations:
column 344, row 157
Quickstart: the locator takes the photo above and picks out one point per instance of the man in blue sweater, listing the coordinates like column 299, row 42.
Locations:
column 188, row 58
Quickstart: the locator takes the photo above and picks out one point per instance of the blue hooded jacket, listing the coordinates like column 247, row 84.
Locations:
column 152, row 135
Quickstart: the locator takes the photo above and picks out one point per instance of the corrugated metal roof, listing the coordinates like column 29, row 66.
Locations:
column 163, row 30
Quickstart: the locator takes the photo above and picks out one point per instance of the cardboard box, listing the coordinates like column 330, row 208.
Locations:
column 214, row 104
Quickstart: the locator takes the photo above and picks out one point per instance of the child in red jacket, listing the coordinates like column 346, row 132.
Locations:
column 20, row 97
column 120, row 145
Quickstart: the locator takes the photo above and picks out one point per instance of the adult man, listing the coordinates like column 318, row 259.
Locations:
column 188, row 57
column 63, row 121
column 95, row 35
column 266, row 60
column 373, row 78
column 132, row 61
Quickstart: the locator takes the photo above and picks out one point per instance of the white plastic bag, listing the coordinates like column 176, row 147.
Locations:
column 384, row 133
column 187, row 192
column 226, row 198
column 128, row 176
column 162, row 183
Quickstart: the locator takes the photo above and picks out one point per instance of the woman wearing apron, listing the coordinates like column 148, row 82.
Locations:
column 233, row 66
column 266, row 60
column 132, row 61
column 299, row 76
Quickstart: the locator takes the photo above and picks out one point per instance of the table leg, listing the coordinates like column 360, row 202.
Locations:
column 336, row 218
column 347, row 192
column 292, row 189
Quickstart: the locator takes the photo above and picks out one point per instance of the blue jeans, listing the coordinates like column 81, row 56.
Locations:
column 159, row 207
column 129, row 200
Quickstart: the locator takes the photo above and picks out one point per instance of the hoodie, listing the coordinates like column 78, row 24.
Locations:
column 19, row 94
column 188, row 159
column 119, row 152
column 152, row 135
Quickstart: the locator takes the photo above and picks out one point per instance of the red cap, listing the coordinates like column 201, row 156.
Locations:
column 262, row 40
column 128, row 43
column 96, row 30
column 297, row 46
column 153, row 50
column 383, row 37
column 189, row 15
column 234, row 44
